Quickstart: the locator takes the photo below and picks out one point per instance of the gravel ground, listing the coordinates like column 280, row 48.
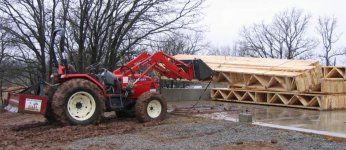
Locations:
column 179, row 132
column 23, row 131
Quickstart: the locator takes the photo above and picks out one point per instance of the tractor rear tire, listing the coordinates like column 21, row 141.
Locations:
column 78, row 102
column 49, row 92
column 150, row 107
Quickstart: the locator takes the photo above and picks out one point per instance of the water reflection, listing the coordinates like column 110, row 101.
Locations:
column 331, row 121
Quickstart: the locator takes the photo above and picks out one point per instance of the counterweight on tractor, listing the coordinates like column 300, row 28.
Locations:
column 74, row 98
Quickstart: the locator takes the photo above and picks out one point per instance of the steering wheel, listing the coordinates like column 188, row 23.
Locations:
column 94, row 65
column 93, row 68
column 123, row 69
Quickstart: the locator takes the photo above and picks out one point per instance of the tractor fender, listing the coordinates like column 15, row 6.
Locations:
column 87, row 77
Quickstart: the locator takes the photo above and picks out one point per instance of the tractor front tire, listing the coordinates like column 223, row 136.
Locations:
column 78, row 102
column 150, row 107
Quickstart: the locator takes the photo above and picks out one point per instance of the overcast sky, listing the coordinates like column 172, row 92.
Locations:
column 224, row 18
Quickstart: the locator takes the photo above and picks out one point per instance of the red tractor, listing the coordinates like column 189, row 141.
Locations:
column 81, row 99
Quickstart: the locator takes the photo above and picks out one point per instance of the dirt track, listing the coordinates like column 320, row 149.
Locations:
column 26, row 131
column 18, row 131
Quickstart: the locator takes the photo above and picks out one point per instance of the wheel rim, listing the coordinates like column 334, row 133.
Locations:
column 81, row 106
column 154, row 108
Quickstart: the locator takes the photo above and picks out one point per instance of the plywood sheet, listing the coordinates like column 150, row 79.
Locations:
column 254, row 65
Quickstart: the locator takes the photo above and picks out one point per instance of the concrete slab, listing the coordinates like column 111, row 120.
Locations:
column 245, row 118
column 291, row 118
column 181, row 94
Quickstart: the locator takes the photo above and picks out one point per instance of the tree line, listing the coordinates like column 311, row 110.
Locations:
column 107, row 31
column 114, row 31
column 287, row 36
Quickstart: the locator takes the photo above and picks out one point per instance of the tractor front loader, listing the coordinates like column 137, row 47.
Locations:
column 81, row 99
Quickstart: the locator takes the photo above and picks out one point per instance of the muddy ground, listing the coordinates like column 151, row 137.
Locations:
column 23, row 131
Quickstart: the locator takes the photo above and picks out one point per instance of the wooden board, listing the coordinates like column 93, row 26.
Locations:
column 286, row 99
column 335, row 72
column 250, row 61
column 333, row 80
column 333, row 102
column 333, row 85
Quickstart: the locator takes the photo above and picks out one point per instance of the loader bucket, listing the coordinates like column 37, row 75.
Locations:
column 201, row 70
column 27, row 101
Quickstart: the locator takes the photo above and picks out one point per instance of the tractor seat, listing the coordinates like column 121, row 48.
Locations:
column 71, row 69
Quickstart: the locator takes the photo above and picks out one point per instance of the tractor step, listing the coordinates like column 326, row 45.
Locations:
column 115, row 102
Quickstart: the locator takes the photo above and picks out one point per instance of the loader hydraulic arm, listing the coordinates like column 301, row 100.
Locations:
column 162, row 63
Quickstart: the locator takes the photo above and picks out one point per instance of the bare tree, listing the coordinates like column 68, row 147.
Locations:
column 285, row 37
column 97, row 30
column 326, row 29
column 28, row 28
column 179, row 43
column 220, row 51
column 3, row 56
column 3, row 43
column 239, row 48
column 259, row 41
column 109, row 31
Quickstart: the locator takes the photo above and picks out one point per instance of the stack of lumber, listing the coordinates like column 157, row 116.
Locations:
column 264, row 74
column 334, row 80
column 291, row 83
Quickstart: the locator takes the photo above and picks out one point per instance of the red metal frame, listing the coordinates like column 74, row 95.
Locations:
column 160, row 62
column 85, row 76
